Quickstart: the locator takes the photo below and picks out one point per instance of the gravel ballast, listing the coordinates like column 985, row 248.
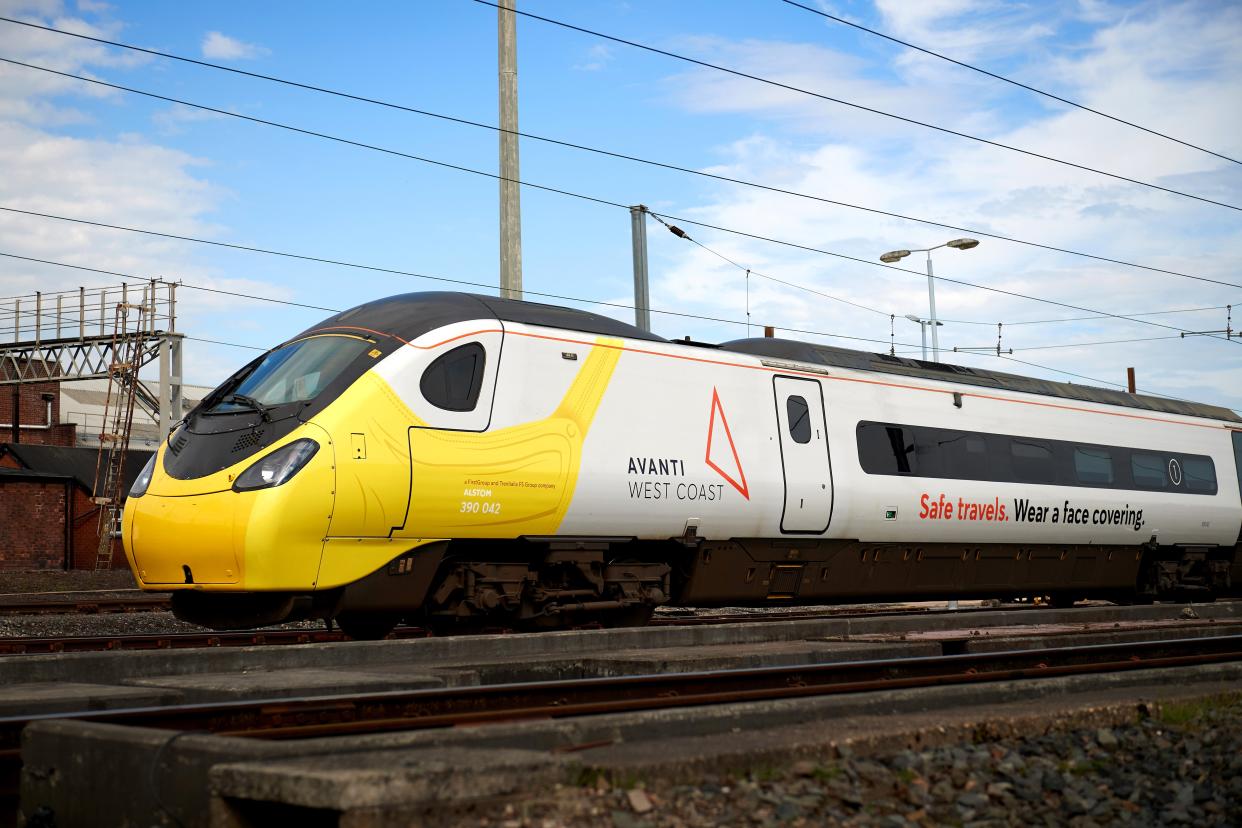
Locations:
column 1181, row 767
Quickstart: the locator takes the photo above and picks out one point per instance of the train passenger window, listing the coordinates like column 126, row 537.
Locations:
column 886, row 449
column 1093, row 466
column 1032, row 462
column 1149, row 471
column 1199, row 474
column 799, row 419
column 963, row 456
column 453, row 380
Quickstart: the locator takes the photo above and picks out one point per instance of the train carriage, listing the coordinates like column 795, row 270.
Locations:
column 455, row 459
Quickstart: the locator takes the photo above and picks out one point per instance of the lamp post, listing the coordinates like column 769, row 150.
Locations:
column 923, row 323
column 897, row 255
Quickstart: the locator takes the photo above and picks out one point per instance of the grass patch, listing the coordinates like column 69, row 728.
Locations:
column 827, row 773
column 1184, row 713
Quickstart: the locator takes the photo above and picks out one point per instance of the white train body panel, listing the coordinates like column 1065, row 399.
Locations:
column 648, row 469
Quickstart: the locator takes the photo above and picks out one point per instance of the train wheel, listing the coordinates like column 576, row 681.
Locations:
column 372, row 627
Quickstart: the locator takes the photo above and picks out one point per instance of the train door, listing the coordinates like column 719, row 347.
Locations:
column 1237, row 464
column 804, row 455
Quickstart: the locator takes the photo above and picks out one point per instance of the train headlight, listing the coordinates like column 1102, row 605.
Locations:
column 276, row 467
column 144, row 478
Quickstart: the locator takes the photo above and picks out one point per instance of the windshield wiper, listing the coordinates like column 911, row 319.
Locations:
column 249, row 402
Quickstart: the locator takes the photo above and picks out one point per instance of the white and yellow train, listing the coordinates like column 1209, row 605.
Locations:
column 447, row 458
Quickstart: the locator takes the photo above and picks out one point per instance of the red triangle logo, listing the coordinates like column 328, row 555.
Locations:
column 721, row 452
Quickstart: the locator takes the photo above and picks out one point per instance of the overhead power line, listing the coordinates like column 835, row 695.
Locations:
column 596, row 150
column 1011, row 81
column 912, row 349
column 791, row 88
column 1089, row 379
column 677, row 231
column 794, row 245
column 1238, row 303
column 569, row 193
column 394, row 272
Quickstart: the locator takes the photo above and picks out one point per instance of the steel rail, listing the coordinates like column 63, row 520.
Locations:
column 86, row 605
column 180, row 641
column 324, row 716
column 434, row 707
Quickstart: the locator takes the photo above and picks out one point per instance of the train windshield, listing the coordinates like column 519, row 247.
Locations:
column 295, row 373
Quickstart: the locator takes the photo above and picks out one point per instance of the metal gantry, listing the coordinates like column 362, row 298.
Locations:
column 96, row 333
column 68, row 335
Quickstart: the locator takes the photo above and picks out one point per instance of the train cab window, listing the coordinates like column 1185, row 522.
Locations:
column 1093, row 466
column 1032, row 462
column 453, row 380
column 1149, row 471
column 799, row 419
column 1199, row 474
column 886, row 449
column 296, row 372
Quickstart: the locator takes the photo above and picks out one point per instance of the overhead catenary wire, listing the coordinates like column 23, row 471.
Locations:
column 395, row 272
column 682, row 234
column 1084, row 377
column 1011, row 81
column 909, row 348
column 794, row 245
column 1089, row 318
column 585, row 148
column 862, row 107
column 545, row 188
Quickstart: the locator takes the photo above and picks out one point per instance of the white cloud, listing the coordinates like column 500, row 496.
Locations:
column 597, row 57
column 815, row 147
column 95, row 174
column 222, row 47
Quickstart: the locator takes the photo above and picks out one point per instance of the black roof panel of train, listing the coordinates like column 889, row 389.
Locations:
column 788, row 349
column 411, row 315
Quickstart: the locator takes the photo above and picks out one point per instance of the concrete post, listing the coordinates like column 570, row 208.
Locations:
column 510, row 194
column 170, row 383
column 931, row 300
column 638, row 235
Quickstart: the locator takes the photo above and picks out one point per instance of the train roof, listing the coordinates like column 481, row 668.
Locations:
column 411, row 315
column 788, row 349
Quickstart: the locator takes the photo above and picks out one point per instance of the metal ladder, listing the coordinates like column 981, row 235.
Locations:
column 118, row 422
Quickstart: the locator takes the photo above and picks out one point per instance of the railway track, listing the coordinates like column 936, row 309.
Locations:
column 49, row 645
column 321, row 716
column 84, row 603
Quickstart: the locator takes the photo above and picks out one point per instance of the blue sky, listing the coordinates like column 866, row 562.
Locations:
column 69, row 149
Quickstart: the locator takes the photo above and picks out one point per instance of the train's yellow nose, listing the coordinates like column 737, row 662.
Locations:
column 185, row 540
column 203, row 533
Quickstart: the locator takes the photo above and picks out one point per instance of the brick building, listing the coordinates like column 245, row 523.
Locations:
column 47, row 519
column 35, row 409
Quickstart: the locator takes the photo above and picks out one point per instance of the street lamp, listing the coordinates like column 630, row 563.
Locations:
column 923, row 323
column 897, row 255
